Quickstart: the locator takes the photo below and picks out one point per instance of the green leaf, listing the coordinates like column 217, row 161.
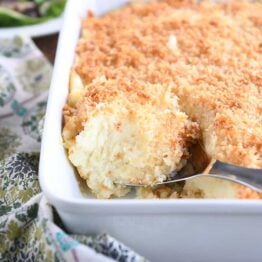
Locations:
column 9, row 18
column 52, row 8
column 13, row 230
column 32, row 211
column 49, row 256
column 25, row 195
column 2, row 193
column 41, row 247
column 17, row 204
column 38, row 233
column 3, row 245
column 21, row 217
column 3, row 223
column 4, row 209
column 39, row 2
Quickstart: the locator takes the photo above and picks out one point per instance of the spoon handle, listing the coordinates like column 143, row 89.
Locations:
column 250, row 177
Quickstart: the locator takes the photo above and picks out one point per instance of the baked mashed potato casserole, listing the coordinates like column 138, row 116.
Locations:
column 149, row 80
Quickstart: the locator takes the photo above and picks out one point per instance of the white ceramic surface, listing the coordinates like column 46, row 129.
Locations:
column 161, row 230
column 37, row 30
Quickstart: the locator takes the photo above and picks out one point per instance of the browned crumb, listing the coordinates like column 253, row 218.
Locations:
column 165, row 191
column 214, row 64
column 247, row 193
column 211, row 55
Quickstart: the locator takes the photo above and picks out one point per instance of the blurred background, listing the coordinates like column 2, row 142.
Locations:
column 40, row 20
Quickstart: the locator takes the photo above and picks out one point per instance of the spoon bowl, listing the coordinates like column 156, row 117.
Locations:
column 199, row 164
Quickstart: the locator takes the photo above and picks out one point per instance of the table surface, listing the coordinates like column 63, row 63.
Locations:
column 47, row 44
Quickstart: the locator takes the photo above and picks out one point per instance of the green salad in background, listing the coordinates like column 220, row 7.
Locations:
column 29, row 12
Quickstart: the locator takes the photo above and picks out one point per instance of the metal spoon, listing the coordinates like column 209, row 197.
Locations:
column 199, row 165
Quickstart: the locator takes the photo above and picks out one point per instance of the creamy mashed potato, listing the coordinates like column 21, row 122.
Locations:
column 200, row 187
column 132, row 134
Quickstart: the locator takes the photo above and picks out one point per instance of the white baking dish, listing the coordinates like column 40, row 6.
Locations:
column 160, row 230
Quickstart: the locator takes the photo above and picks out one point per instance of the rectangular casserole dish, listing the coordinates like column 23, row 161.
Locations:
column 160, row 230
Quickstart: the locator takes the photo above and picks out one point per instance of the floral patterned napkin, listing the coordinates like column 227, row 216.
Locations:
column 30, row 230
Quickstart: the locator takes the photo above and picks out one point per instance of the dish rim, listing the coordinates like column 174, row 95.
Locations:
column 67, row 204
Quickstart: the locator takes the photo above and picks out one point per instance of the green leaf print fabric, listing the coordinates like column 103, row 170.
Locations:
column 30, row 229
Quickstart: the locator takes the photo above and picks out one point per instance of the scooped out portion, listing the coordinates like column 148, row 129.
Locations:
column 119, row 131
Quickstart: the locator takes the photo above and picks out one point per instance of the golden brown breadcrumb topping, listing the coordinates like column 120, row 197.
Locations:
column 211, row 55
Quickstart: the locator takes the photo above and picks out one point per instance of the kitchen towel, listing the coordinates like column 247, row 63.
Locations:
column 30, row 229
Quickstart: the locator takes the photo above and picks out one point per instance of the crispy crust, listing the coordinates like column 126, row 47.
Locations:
column 215, row 67
column 211, row 55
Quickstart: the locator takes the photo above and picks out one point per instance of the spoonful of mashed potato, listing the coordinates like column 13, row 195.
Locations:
column 125, row 132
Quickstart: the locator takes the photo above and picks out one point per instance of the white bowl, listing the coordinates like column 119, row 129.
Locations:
column 160, row 230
